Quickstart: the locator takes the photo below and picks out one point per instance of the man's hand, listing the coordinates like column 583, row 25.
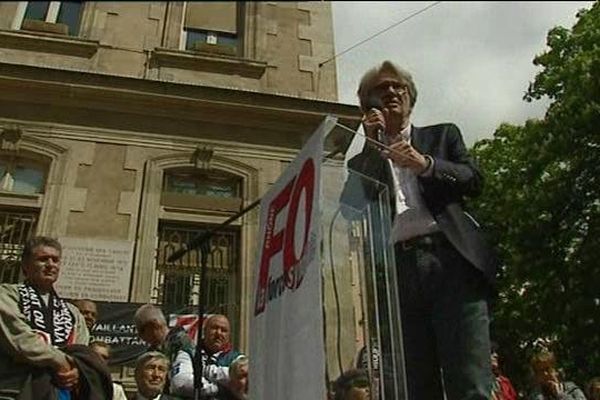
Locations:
column 67, row 376
column 373, row 121
column 552, row 388
column 406, row 156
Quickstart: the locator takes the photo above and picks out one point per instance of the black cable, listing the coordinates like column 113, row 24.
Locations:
column 380, row 32
column 324, row 328
column 336, row 294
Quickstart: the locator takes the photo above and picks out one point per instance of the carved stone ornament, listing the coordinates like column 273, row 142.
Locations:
column 10, row 138
column 202, row 156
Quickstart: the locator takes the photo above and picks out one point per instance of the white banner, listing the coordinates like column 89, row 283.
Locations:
column 287, row 359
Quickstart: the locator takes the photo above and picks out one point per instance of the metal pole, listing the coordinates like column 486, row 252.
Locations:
column 202, row 242
column 198, row 362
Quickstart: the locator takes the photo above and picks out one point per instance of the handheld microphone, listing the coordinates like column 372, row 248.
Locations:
column 374, row 102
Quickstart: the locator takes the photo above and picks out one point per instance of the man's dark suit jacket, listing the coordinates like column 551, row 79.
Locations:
column 454, row 176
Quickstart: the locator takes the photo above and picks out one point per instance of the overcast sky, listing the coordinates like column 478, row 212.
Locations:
column 472, row 62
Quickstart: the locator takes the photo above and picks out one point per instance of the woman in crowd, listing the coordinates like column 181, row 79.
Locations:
column 548, row 385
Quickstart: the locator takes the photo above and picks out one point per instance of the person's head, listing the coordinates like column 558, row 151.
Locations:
column 592, row 389
column 217, row 333
column 353, row 385
column 40, row 262
column 238, row 374
column 543, row 366
column 151, row 324
column 495, row 359
column 102, row 349
column 151, row 373
column 391, row 87
column 88, row 309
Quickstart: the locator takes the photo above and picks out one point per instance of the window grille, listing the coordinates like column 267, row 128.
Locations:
column 15, row 228
column 177, row 285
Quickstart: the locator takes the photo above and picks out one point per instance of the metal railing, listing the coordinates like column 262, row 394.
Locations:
column 177, row 285
column 15, row 228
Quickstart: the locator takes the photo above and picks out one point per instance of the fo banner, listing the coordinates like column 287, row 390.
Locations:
column 286, row 338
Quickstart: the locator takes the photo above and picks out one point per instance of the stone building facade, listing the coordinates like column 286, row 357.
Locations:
column 126, row 128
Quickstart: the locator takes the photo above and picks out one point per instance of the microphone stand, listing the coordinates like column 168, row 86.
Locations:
column 202, row 242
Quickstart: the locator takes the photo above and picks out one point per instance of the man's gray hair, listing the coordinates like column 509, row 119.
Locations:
column 33, row 243
column 209, row 318
column 149, row 356
column 148, row 313
column 386, row 68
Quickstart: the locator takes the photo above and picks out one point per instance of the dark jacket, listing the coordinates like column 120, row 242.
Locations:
column 570, row 392
column 225, row 393
column 94, row 378
column 454, row 176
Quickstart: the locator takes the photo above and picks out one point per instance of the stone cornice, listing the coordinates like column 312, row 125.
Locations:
column 99, row 92
column 209, row 62
column 48, row 43
column 36, row 131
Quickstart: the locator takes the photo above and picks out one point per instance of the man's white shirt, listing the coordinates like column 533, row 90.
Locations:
column 412, row 218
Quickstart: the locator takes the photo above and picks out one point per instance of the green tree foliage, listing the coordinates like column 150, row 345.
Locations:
column 542, row 207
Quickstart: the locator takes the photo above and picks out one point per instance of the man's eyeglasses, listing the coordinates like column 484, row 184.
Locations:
column 397, row 87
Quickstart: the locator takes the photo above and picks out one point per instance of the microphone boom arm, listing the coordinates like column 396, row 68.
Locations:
column 203, row 237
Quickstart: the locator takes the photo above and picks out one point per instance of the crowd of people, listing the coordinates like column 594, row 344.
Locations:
column 546, row 382
column 224, row 370
column 46, row 353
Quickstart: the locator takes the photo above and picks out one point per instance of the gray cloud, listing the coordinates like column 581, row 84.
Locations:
column 472, row 62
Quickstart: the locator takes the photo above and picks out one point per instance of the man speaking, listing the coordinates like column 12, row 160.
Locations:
column 445, row 269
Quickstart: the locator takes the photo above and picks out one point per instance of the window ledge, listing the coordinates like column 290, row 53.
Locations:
column 48, row 43
column 21, row 199
column 209, row 62
column 187, row 201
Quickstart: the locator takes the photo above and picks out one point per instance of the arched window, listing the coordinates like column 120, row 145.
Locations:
column 22, row 175
column 22, row 184
column 189, row 195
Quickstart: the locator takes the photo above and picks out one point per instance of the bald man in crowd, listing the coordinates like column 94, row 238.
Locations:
column 89, row 310
column 217, row 356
